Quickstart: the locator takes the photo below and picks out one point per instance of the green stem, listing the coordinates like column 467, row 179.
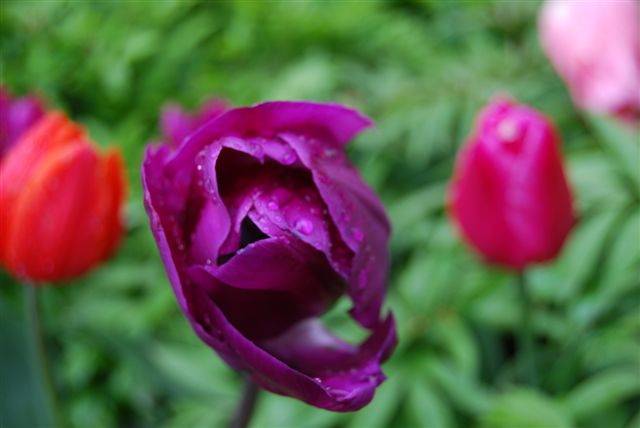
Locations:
column 527, row 357
column 31, row 300
column 247, row 404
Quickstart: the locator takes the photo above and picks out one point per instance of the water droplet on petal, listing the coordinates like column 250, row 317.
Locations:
column 304, row 226
column 289, row 157
column 273, row 205
column 317, row 379
column 330, row 153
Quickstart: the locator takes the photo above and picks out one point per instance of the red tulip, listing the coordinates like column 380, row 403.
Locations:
column 60, row 201
column 509, row 195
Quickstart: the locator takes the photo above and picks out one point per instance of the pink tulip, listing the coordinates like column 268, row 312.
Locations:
column 595, row 47
column 509, row 195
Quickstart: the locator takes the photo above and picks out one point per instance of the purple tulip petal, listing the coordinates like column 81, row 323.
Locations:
column 360, row 218
column 177, row 124
column 336, row 122
column 342, row 391
column 16, row 116
column 288, row 281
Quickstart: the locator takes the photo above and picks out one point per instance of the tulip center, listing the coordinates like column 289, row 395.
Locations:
column 249, row 233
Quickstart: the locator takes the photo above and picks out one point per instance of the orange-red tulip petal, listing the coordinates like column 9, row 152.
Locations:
column 61, row 202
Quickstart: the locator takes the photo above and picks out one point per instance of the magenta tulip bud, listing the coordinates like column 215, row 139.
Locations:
column 16, row 116
column 595, row 47
column 509, row 195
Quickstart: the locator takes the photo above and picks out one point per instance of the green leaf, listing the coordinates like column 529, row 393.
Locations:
column 23, row 401
column 566, row 277
column 427, row 409
column 620, row 271
column 602, row 391
column 596, row 181
column 416, row 206
column 464, row 392
column 525, row 408
column 623, row 145
column 381, row 410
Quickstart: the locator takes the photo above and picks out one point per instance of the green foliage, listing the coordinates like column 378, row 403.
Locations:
column 123, row 354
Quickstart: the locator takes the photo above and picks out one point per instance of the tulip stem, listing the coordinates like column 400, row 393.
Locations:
column 31, row 300
column 247, row 404
column 527, row 349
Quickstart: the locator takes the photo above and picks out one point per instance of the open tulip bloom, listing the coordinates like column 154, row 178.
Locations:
column 263, row 223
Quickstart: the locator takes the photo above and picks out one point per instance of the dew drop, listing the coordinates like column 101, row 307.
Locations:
column 330, row 153
column 273, row 205
column 199, row 167
column 317, row 379
column 289, row 157
column 304, row 226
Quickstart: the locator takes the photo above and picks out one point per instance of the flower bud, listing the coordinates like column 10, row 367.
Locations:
column 61, row 202
column 16, row 116
column 509, row 195
column 595, row 47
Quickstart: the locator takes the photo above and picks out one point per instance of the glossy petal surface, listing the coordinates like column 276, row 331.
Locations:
column 61, row 202
column 509, row 195
column 258, row 245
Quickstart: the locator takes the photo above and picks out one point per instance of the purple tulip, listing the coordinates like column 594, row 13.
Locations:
column 263, row 223
column 16, row 116
column 176, row 124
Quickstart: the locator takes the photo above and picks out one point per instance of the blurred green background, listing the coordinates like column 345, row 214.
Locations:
column 122, row 353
